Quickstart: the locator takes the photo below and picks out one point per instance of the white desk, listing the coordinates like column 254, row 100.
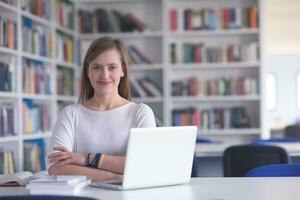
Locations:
column 200, row 189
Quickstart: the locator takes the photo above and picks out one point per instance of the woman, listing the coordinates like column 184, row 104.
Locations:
column 90, row 138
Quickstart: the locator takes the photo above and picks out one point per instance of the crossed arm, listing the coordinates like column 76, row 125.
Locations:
column 66, row 162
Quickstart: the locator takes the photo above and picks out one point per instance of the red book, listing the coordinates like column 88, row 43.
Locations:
column 225, row 18
column 197, row 53
column 10, row 34
column 196, row 117
column 173, row 19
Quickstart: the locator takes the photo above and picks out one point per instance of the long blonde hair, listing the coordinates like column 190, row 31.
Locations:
column 97, row 47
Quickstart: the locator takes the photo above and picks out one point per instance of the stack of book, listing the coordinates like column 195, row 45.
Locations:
column 58, row 185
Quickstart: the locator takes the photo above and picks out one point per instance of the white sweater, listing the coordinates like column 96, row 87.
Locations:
column 80, row 129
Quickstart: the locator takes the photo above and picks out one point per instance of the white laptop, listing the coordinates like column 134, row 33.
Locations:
column 156, row 157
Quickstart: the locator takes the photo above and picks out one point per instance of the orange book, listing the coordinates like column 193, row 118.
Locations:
column 253, row 17
column 10, row 34
column 185, row 119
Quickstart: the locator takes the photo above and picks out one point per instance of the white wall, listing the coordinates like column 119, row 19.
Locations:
column 282, row 27
column 282, row 46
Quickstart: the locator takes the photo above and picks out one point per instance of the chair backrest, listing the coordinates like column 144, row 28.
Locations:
column 277, row 170
column 292, row 131
column 195, row 168
column 239, row 159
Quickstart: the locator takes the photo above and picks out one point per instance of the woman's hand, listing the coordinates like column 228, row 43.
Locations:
column 65, row 156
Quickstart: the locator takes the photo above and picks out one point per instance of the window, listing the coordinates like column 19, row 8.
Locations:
column 298, row 90
column 271, row 93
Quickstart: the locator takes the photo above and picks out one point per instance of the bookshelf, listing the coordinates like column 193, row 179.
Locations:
column 68, row 41
column 210, row 29
column 42, row 50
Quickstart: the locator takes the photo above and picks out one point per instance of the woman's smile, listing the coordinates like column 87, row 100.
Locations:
column 104, row 82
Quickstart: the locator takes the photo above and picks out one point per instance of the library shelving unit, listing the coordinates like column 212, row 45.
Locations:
column 214, row 68
column 39, row 70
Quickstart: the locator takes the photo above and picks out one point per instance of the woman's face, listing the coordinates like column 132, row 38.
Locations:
column 105, row 72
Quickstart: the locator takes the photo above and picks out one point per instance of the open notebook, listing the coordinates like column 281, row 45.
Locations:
column 20, row 178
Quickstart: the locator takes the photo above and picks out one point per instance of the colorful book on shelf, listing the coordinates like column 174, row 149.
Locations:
column 216, row 118
column 137, row 87
column 37, row 39
column 65, row 80
column 223, row 18
column 137, row 23
column 6, row 75
column 201, row 53
column 114, row 22
column 36, row 117
column 108, row 21
column 64, row 47
column 8, row 32
column 185, row 117
column 40, row 8
column 137, row 57
column 8, row 119
column 7, row 162
column 34, row 155
column 151, row 87
column 19, row 178
column 64, row 10
column 36, row 77
column 173, row 19
column 173, row 53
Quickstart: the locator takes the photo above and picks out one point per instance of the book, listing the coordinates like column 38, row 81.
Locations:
column 137, row 87
column 173, row 19
column 58, row 180
column 63, row 185
column 58, row 186
column 19, row 178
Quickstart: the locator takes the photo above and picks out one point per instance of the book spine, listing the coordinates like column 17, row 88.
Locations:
column 8, row 32
column 173, row 19
column 33, row 115
column 34, row 38
column 34, row 155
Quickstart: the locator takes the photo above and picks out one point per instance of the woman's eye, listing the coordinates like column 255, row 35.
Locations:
column 95, row 67
column 112, row 68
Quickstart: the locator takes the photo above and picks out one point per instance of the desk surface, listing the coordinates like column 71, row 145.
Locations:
column 200, row 189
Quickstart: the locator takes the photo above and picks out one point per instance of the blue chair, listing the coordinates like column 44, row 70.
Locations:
column 277, row 170
column 239, row 159
column 203, row 141
column 283, row 140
